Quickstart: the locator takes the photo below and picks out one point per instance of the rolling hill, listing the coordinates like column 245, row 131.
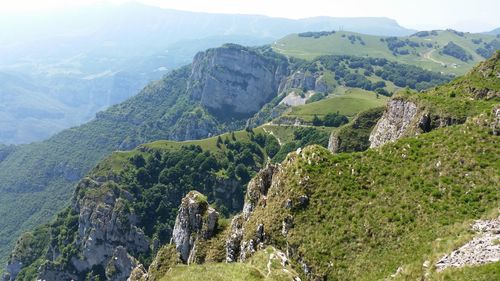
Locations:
column 425, row 49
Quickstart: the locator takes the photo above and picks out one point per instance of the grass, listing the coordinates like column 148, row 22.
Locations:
column 349, row 103
column 372, row 212
column 464, row 96
column 309, row 48
column 259, row 268
column 206, row 144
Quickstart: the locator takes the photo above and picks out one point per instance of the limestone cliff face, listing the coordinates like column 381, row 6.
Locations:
column 403, row 118
column 399, row 117
column 306, row 81
column 107, row 235
column 234, row 79
column 195, row 220
column 107, row 232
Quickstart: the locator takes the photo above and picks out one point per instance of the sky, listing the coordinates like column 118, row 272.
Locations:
column 463, row 15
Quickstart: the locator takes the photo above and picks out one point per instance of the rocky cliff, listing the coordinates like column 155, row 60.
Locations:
column 195, row 220
column 404, row 118
column 233, row 80
column 398, row 120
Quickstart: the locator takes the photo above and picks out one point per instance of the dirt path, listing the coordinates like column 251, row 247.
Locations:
column 428, row 55
column 271, row 133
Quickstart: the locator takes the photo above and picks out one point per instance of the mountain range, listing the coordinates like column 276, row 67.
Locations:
column 76, row 67
column 323, row 155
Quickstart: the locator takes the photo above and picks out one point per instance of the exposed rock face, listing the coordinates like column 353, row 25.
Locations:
column 484, row 248
column 404, row 118
column 495, row 125
column 398, row 118
column 234, row 79
column 107, row 233
column 307, row 82
column 120, row 265
column 233, row 242
column 236, row 248
column 333, row 143
column 194, row 220
column 257, row 188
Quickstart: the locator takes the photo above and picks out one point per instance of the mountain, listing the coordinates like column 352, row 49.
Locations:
column 447, row 51
column 224, row 89
column 76, row 67
column 495, row 31
column 393, row 211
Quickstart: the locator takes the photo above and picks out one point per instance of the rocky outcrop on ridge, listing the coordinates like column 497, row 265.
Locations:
column 403, row 118
column 236, row 247
column 195, row 220
column 397, row 120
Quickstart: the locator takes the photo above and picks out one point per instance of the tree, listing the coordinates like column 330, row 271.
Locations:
column 142, row 176
column 242, row 172
column 335, row 120
column 316, row 121
column 219, row 141
column 138, row 160
column 272, row 146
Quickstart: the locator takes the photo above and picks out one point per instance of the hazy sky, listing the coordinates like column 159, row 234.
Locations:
column 465, row 15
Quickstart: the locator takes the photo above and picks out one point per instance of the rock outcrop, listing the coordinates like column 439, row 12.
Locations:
column 234, row 80
column 104, row 235
column 107, row 232
column 484, row 248
column 398, row 119
column 334, row 142
column 306, row 81
column 403, row 118
column 236, row 247
column 195, row 220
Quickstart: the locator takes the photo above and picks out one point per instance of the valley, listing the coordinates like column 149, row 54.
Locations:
column 210, row 153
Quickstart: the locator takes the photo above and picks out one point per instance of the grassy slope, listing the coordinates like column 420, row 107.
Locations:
column 368, row 215
column 309, row 48
column 208, row 143
column 260, row 267
column 398, row 206
column 410, row 201
column 349, row 103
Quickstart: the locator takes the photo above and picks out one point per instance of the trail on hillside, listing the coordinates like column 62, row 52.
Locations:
column 428, row 55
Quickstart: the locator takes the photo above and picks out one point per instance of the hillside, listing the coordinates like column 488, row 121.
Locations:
column 428, row 49
column 155, row 176
column 396, row 210
column 41, row 175
column 211, row 96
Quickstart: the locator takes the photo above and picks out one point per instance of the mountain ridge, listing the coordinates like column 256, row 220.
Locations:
column 306, row 177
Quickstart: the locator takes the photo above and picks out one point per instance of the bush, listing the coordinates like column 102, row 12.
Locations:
column 335, row 120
